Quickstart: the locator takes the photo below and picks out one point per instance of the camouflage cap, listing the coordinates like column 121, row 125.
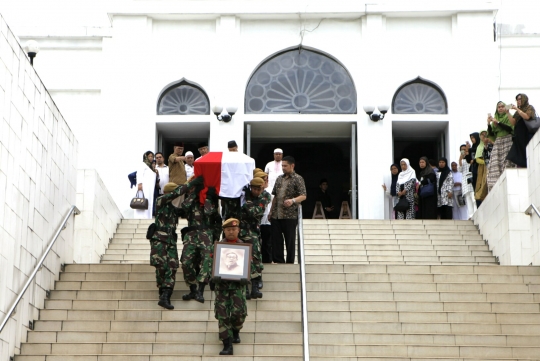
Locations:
column 169, row 187
column 231, row 222
column 257, row 182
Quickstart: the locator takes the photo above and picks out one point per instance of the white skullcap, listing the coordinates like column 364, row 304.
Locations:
column 278, row 150
column 189, row 153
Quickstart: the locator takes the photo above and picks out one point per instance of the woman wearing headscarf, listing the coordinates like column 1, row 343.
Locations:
column 427, row 206
column 467, row 189
column 517, row 156
column 405, row 187
column 392, row 192
column 146, row 183
column 475, row 140
column 480, row 191
column 445, row 189
column 500, row 130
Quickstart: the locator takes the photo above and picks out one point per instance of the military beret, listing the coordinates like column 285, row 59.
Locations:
column 257, row 182
column 231, row 222
column 256, row 170
column 169, row 187
column 260, row 175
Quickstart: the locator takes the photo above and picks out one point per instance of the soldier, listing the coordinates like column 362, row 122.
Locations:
column 262, row 245
column 230, row 307
column 252, row 212
column 198, row 243
column 163, row 250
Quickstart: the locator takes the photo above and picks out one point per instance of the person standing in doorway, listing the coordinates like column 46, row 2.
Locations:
column 392, row 193
column 445, row 189
column 177, row 169
column 428, row 179
column 324, row 197
column 163, row 171
column 203, row 150
column 405, row 187
column 273, row 169
column 189, row 164
column 146, row 182
column 266, row 227
column 289, row 191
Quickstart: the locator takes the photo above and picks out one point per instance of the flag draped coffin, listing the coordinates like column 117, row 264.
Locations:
column 228, row 172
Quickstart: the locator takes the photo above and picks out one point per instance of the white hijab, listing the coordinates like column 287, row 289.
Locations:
column 406, row 175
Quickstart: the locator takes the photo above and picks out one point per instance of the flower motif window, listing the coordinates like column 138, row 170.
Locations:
column 419, row 97
column 183, row 98
column 301, row 81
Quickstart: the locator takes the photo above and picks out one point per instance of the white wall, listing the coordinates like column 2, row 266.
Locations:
column 502, row 220
column 533, row 167
column 113, row 79
column 38, row 156
column 99, row 217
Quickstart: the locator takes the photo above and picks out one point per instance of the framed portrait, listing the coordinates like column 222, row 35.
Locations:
column 232, row 261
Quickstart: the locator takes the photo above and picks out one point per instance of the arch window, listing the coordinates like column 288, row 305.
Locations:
column 419, row 96
column 183, row 98
column 300, row 81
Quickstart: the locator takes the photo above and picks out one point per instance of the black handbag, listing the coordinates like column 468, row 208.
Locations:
column 139, row 203
column 402, row 205
column 427, row 190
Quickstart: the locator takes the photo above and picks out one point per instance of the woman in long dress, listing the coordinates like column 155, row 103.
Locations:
column 391, row 192
column 427, row 205
column 405, row 187
column 146, row 183
column 467, row 182
column 500, row 130
column 459, row 210
column 445, row 189
column 517, row 156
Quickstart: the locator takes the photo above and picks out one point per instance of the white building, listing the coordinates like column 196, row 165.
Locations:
column 300, row 73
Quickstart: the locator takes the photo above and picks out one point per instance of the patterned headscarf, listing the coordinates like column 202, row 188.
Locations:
column 146, row 160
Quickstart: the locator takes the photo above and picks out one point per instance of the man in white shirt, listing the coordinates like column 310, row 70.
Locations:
column 163, row 171
column 189, row 164
column 273, row 169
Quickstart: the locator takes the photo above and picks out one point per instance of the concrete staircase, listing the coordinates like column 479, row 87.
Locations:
column 377, row 290
column 412, row 242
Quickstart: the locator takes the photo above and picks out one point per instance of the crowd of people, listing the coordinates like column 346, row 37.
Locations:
column 437, row 191
column 265, row 216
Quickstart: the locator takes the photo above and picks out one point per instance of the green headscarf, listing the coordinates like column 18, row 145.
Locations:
column 480, row 149
column 502, row 119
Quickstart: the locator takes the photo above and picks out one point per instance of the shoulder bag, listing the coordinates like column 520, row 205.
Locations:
column 533, row 124
column 140, row 203
column 427, row 190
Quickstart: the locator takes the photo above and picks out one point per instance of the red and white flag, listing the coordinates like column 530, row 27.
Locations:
column 228, row 172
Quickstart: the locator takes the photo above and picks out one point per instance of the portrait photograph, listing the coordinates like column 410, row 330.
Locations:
column 232, row 261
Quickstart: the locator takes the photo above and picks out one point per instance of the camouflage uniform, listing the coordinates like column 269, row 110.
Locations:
column 230, row 307
column 198, row 242
column 231, row 208
column 163, row 251
column 252, row 212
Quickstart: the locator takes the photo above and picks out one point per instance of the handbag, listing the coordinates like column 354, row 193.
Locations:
column 460, row 199
column 402, row 205
column 427, row 190
column 140, row 203
column 533, row 124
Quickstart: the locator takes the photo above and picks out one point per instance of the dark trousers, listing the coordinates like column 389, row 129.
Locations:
column 283, row 228
column 445, row 212
column 266, row 243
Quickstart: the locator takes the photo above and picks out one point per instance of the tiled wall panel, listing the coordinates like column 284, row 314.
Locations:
column 38, row 157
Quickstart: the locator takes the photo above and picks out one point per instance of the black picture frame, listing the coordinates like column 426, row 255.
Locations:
column 223, row 254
